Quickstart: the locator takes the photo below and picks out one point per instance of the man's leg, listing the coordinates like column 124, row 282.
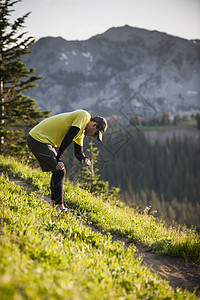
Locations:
column 46, row 156
column 57, row 186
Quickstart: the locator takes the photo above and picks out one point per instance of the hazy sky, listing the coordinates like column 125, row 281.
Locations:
column 81, row 19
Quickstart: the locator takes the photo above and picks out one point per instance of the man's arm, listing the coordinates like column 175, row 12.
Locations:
column 72, row 132
column 78, row 151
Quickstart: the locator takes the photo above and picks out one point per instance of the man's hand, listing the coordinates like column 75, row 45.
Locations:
column 60, row 166
column 86, row 161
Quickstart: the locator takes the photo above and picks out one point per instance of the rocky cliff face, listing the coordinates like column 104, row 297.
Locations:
column 103, row 73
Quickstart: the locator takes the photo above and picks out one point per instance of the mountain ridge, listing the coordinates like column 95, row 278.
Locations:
column 100, row 74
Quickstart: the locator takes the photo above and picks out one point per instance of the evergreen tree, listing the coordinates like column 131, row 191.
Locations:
column 89, row 175
column 90, row 179
column 197, row 117
column 165, row 120
column 176, row 119
column 17, row 111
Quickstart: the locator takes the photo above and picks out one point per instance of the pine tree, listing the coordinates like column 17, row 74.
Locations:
column 165, row 119
column 17, row 111
column 89, row 175
column 197, row 117
column 90, row 179
column 176, row 119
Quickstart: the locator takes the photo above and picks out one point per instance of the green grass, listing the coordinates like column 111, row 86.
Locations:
column 46, row 255
column 116, row 218
column 187, row 125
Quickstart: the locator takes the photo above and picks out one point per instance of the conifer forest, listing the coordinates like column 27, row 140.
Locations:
column 161, row 178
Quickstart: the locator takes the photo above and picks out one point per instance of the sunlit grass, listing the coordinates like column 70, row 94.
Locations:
column 47, row 255
column 188, row 125
column 117, row 218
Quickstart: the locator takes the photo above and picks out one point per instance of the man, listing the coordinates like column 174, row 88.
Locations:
column 59, row 131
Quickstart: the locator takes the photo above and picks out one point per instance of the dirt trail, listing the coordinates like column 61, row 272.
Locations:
column 176, row 271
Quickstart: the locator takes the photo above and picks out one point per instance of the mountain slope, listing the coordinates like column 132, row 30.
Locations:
column 102, row 73
column 38, row 240
column 114, row 217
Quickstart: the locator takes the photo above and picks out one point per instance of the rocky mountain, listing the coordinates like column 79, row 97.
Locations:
column 125, row 68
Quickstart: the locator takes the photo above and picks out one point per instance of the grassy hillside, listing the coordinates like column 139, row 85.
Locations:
column 115, row 218
column 45, row 255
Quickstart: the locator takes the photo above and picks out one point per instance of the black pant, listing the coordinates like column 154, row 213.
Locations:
column 46, row 156
column 57, row 179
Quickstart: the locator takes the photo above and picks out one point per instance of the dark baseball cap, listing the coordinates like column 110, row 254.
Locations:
column 102, row 126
